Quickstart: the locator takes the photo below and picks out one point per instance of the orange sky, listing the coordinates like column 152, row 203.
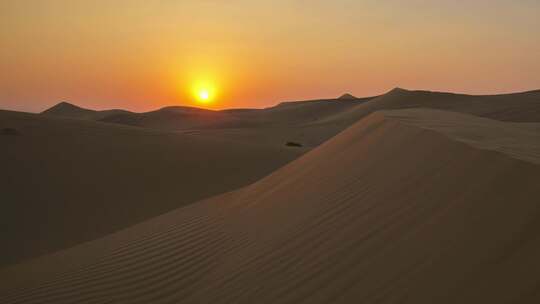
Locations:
column 142, row 55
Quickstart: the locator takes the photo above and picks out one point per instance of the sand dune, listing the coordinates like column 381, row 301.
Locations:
column 190, row 118
column 347, row 96
column 167, row 118
column 518, row 140
column 181, row 118
column 516, row 107
column 68, row 110
column 287, row 121
column 65, row 181
column 308, row 123
column 408, row 206
column 309, row 111
column 312, row 122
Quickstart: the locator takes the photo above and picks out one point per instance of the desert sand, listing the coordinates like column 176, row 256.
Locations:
column 409, row 197
column 65, row 181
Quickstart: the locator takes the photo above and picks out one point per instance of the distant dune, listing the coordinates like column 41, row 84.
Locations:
column 180, row 118
column 68, row 110
column 287, row 121
column 191, row 118
column 312, row 122
column 516, row 107
column 411, row 206
column 347, row 96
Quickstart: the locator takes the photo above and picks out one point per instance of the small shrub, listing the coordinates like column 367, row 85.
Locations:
column 293, row 144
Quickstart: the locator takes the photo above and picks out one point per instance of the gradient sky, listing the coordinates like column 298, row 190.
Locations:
column 142, row 55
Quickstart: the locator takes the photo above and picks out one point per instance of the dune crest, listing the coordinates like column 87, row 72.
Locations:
column 347, row 96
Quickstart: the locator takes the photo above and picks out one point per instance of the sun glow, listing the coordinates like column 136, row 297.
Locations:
column 204, row 92
column 204, row 95
column 205, row 80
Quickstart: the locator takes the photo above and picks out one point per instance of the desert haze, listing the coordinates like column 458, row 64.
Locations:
column 410, row 197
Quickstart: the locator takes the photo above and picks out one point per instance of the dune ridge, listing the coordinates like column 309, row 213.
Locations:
column 513, row 107
column 393, row 209
column 518, row 140
column 312, row 122
column 189, row 118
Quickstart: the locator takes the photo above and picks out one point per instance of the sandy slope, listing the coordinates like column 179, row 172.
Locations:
column 519, row 140
column 67, row 181
column 393, row 210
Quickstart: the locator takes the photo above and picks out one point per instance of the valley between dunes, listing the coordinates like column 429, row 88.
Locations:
column 408, row 197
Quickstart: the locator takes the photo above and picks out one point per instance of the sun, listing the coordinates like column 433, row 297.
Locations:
column 204, row 95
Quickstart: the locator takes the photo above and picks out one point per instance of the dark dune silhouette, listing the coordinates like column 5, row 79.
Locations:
column 68, row 110
column 188, row 118
column 176, row 118
column 347, row 96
